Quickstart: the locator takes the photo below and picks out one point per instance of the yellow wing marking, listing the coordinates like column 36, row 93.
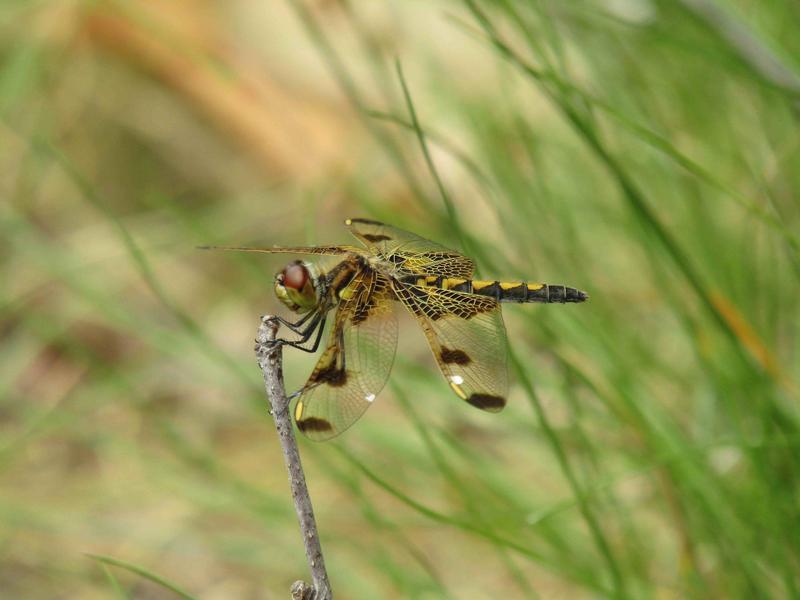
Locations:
column 457, row 389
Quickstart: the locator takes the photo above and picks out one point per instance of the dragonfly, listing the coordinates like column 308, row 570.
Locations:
column 460, row 317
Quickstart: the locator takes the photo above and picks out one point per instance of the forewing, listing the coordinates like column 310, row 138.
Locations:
column 325, row 250
column 409, row 251
column 354, row 367
column 468, row 340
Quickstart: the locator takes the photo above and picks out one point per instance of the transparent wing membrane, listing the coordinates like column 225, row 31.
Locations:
column 468, row 340
column 356, row 363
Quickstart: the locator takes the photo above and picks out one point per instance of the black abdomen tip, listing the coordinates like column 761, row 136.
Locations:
column 573, row 295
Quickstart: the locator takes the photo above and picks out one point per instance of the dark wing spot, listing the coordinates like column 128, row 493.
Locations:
column 457, row 357
column 487, row 401
column 366, row 221
column 330, row 375
column 314, row 424
column 375, row 238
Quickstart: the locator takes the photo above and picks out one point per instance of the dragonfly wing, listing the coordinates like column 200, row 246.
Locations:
column 413, row 253
column 356, row 363
column 468, row 340
column 325, row 250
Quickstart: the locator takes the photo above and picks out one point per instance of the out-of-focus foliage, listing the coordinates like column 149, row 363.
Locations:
column 645, row 151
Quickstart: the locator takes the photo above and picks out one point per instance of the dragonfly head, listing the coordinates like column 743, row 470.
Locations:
column 296, row 286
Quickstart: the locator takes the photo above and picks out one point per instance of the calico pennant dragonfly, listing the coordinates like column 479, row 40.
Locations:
column 459, row 315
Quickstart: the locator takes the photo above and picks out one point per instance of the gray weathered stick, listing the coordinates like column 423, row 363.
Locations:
column 270, row 360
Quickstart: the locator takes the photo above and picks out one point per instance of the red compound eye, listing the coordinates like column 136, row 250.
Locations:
column 295, row 276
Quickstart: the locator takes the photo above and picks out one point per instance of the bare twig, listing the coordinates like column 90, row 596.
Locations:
column 270, row 360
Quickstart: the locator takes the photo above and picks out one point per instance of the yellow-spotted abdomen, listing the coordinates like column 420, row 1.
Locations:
column 506, row 291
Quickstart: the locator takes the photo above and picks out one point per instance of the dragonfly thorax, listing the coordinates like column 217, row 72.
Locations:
column 296, row 286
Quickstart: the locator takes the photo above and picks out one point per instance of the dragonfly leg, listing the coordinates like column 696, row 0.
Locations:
column 297, row 325
column 318, row 324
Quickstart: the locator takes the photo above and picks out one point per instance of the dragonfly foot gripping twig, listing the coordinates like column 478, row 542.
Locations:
column 270, row 360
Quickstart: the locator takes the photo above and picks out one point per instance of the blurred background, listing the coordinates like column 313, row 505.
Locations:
column 646, row 151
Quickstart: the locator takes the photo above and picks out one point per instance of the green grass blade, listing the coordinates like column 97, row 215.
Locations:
column 142, row 572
